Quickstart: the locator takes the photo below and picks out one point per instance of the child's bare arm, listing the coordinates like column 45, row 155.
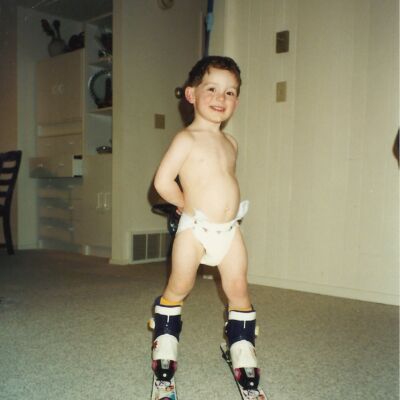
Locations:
column 169, row 168
column 233, row 142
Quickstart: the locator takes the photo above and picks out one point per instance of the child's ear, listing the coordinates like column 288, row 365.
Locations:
column 189, row 94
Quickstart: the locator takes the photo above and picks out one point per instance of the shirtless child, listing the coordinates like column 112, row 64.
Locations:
column 204, row 158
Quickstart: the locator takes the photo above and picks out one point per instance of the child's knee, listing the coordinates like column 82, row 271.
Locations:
column 236, row 288
column 180, row 287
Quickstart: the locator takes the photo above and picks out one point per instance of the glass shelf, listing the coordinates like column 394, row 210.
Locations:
column 104, row 62
column 101, row 111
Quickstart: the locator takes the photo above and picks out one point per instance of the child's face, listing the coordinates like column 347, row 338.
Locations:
column 215, row 99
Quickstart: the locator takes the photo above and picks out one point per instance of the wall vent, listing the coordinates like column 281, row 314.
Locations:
column 150, row 246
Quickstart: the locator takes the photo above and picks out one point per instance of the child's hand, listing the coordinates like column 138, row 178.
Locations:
column 179, row 210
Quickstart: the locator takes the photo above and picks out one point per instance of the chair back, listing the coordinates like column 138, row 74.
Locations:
column 9, row 167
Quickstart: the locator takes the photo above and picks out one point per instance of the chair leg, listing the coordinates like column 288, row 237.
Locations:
column 7, row 234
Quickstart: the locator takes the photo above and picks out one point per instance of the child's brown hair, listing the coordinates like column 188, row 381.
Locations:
column 219, row 62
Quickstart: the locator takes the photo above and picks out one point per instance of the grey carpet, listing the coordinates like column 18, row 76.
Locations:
column 74, row 327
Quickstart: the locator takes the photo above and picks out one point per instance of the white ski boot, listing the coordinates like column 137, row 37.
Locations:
column 241, row 332
column 167, row 326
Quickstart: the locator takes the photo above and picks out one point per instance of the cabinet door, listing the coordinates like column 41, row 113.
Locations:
column 59, row 88
column 97, row 200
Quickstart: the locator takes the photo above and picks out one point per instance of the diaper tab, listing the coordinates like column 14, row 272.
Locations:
column 243, row 209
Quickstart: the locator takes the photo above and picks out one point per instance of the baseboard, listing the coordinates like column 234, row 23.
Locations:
column 117, row 261
column 97, row 251
column 348, row 293
column 27, row 246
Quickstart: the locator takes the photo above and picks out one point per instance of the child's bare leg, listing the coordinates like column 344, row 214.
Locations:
column 241, row 325
column 167, row 325
column 233, row 270
column 186, row 255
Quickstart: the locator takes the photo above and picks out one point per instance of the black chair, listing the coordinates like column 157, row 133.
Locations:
column 169, row 211
column 9, row 167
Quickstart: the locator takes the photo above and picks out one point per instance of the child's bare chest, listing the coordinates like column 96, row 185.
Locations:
column 217, row 155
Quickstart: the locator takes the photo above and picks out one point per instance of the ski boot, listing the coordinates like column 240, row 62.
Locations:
column 241, row 332
column 167, row 326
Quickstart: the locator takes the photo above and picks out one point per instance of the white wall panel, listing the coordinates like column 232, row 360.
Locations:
column 318, row 169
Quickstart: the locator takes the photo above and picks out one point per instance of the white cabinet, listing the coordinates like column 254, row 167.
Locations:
column 70, row 128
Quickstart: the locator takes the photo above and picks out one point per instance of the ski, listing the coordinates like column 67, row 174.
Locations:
column 163, row 390
column 257, row 394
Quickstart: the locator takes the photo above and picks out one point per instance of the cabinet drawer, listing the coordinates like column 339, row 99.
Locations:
column 45, row 146
column 75, row 208
column 53, row 193
column 61, row 166
column 56, row 233
column 65, row 166
column 75, row 191
column 49, row 211
column 78, row 232
column 69, row 144
column 49, row 146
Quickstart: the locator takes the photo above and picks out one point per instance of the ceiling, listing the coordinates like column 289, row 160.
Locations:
column 78, row 10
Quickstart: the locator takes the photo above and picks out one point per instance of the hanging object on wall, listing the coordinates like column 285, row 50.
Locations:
column 100, row 88
column 165, row 4
column 282, row 42
column 209, row 22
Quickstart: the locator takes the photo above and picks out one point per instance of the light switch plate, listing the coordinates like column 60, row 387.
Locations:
column 282, row 42
column 159, row 121
column 281, row 91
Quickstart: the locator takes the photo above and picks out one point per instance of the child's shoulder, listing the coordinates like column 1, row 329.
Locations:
column 185, row 135
column 183, row 138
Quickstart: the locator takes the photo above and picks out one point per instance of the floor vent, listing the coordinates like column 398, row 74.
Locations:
column 150, row 246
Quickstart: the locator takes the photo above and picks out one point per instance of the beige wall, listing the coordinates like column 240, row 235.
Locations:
column 8, row 91
column 8, row 77
column 318, row 169
column 154, row 52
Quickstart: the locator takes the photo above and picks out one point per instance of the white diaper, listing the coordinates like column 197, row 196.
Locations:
column 215, row 238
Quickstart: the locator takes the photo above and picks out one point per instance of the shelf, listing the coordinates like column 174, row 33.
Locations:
column 104, row 62
column 102, row 21
column 101, row 111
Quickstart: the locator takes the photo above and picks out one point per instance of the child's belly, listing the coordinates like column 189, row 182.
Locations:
column 217, row 198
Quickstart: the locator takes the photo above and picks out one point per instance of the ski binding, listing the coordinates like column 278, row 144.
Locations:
column 252, row 394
